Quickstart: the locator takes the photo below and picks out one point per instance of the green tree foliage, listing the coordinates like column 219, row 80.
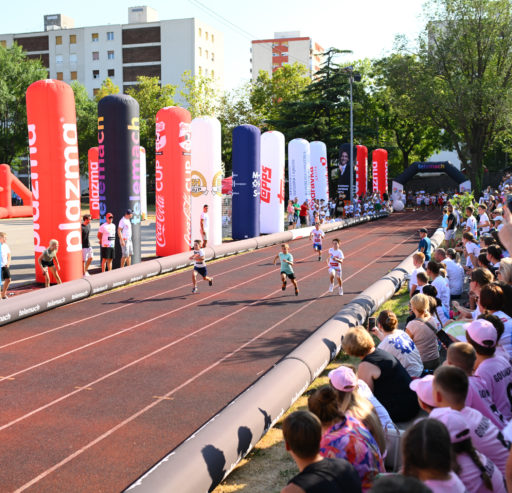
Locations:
column 86, row 123
column 107, row 88
column 151, row 98
column 17, row 72
column 201, row 94
column 465, row 82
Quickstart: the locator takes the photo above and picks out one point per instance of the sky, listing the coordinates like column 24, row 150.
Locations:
column 366, row 27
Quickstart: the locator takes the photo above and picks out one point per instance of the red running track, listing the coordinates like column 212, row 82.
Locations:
column 94, row 393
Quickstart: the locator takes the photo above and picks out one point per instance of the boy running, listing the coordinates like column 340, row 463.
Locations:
column 286, row 259
column 317, row 235
column 199, row 266
column 334, row 262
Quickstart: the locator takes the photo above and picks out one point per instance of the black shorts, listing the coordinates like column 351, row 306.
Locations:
column 6, row 273
column 107, row 252
column 289, row 276
column 201, row 271
column 45, row 263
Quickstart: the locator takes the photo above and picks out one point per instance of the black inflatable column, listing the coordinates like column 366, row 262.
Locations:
column 119, row 164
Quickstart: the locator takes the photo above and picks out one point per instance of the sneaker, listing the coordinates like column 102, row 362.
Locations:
column 210, row 282
column 283, row 287
column 331, row 288
column 319, row 258
column 194, row 290
column 296, row 292
column 87, row 274
column 341, row 291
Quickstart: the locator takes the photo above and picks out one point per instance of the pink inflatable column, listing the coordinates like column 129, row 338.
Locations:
column 380, row 171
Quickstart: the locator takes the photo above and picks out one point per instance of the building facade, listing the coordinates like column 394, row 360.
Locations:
column 122, row 52
column 285, row 48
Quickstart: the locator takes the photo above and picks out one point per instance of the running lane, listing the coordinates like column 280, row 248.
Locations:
column 96, row 392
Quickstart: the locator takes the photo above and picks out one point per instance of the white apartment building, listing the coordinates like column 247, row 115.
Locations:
column 285, row 48
column 121, row 52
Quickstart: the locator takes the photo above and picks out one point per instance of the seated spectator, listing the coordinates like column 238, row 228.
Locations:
column 427, row 455
column 422, row 331
column 484, row 262
column 494, row 255
column 436, row 306
column 344, row 437
column 396, row 483
column 471, row 250
column 476, row 471
column 424, row 392
column 479, row 278
column 383, row 373
column 450, row 389
column 398, row 343
column 302, row 433
column 504, row 272
column 418, row 259
column 351, row 402
column 455, row 271
column 440, row 283
column 422, row 281
column 463, row 356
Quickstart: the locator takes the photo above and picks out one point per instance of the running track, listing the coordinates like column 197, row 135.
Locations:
column 94, row 393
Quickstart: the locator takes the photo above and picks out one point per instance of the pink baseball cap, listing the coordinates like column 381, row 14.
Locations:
column 343, row 379
column 482, row 332
column 423, row 387
column 454, row 422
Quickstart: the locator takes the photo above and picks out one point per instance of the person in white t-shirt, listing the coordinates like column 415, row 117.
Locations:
column 472, row 250
column 335, row 262
column 418, row 259
column 317, row 236
column 440, row 283
column 198, row 257
column 471, row 224
column 5, row 252
column 124, row 231
column 483, row 222
column 107, row 237
column 205, row 225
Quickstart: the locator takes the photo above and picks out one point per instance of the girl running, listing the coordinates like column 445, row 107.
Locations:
column 334, row 262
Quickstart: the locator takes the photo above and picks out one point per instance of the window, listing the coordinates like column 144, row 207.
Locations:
column 206, row 54
column 110, row 55
column 206, row 35
column 72, row 39
column 213, row 74
column 73, row 58
column 200, row 51
column 95, row 74
column 213, row 38
column 74, row 75
column 58, row 59
column 200, row 32
column 60, row 76
column 110, row 36
column 111, row 72
column 95, row 37
column 200, row 70
column 95, row 91
column 95, row 55
column 206, row 72
column 58, row 40
column 213, row 56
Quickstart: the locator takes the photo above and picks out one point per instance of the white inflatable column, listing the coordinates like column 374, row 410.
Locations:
column 299, row 170
column 319, row 175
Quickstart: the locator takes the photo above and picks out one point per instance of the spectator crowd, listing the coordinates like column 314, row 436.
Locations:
column 429, row 406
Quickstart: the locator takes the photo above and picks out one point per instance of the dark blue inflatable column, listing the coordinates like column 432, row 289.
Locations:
column 246, row 182
column 119, row 164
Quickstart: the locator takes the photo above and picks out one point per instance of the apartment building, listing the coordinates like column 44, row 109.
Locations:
column 121, row 52
column 285, row 48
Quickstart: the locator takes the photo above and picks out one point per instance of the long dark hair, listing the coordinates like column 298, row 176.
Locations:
column 466, row 447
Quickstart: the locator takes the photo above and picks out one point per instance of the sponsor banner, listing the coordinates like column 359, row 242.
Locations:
column 272, row 183
column 143, row 185
column 299, row 172
column 94, row 191
column 344, row 166
column 319, row 171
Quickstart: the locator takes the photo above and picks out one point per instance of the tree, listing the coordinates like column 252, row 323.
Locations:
column 86, row 123
column 201, row 94
column 17, row 72
column 464, row 83
column 151, row 98
column 107, row 88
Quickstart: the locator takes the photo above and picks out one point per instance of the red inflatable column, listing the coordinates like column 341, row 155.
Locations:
column 94, row 190
column 361, row 170
column 172, row 180
column 380, row 171
column 55, row 174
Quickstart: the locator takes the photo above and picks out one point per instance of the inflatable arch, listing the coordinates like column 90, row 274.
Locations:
column 432, row 167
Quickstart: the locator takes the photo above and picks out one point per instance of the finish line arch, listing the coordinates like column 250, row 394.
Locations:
column 431, row 167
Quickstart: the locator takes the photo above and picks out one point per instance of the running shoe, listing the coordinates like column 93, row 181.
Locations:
column 194, row 290
column 283, row 287
column 341, row 291
column 331, row 288
column 319, row 258
column 210, row 282
column 296, row 292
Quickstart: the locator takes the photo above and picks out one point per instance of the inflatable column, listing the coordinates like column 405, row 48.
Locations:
column 94, row 191
column 246, row 182
column 299, row 173
column 272, row 183
column 361, row 170
column 172, row 180
column 143, row 185
column 119, row 165
column 380, row 171
column 319, row 174
column 207, row 177
column 55, row 174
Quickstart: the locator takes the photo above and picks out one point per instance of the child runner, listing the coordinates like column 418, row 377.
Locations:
column 317, row 235
column 334, row 262
column 48, row 260
column 286, row 259
column 199, row 266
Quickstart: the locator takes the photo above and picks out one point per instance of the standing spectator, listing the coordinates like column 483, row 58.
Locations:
column 471, row 224
column 205, row 225
column 87, row 253
column 5, row 262
column 440, row 283
column 107, row 237
column 418, row 259
column 424, row 245
column 304, row 214
column 449, row 234
column 296, row 211
column 302, row 432
column 291, row 213
column 48, row 260
column 124, row 231
column 483, row 221
column 472, row 250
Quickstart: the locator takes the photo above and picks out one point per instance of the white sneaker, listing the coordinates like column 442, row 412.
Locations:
column 341, row 291
column 87, row 274
column 331, row 288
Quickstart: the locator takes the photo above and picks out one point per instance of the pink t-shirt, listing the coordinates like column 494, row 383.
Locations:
column 479, row 398
column 452, row 485
column 497, row 373
column 470, row 474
